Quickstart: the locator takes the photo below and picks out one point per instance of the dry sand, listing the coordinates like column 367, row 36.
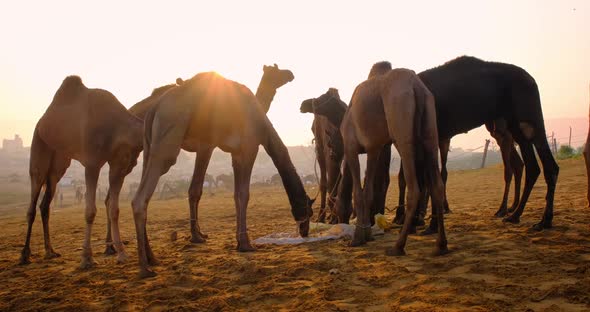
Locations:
column 492, row 266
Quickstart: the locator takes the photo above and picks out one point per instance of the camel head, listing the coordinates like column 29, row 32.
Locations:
column 306, row 106
column 303, row 225
column 275, row 77
column 328, row 103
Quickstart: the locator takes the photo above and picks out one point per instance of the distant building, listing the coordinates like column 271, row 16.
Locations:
column 15, row 145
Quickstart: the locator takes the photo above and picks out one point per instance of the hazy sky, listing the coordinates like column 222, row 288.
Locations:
column 130, row 47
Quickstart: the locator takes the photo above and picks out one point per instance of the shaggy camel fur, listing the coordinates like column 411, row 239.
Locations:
column 329, row 154
column 394, row 107
column 93, row 127
column 272, row 78
column 219, row 112
column 587, row 160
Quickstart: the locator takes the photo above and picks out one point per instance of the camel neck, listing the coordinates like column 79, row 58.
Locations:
column 265, row 94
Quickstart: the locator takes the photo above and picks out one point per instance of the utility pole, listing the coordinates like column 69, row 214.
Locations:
column 552, row 143
column 555, row 146
column 485, row 153
column 570, row 140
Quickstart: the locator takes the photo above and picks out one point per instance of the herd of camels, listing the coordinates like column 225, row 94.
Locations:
column 417, row 113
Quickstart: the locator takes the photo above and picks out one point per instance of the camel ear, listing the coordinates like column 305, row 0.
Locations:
column 334, row 92
column 265, row 68
column 179, row 81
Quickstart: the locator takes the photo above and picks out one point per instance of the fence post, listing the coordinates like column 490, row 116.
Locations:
column 485, row 153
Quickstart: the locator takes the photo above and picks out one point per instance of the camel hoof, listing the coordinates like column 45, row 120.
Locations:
column 428, row 231
column 87, row 263
column 152, row 261
column 203, row 235
column 420, row 222
column 439, row 251
column 447, row 210
column 500, row 213
column 146, row 273
column 512, row 219
column 52, row 255
column 122, row 257
column 542, row 225
column 395, row 251
column 399, row 220
column 197, row 239
column 511, row 209
column 246, row 248
column 25, row 257
column 110, row 250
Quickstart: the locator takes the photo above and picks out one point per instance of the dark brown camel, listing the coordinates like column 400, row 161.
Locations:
column 470, row 92
column 93, row 127
column 272, row 78
column 329, row 154
column 587, row 160
column 209, row 109
column 394, row 107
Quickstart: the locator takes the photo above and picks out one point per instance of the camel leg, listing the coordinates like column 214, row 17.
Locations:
column 381, row 183
column 517, row 168
column 333, row 179
column 323, row 183
column 242, row 164
column 407, row 154
column 117, row 173
column 550, row 172
column 401, row 180
column 40, row 163
column 363, row 225
column 436, row 187
column 344, row 201
column 90, row 213
column 587, row 160
column 59, row 165
column 352, row 159
column 109, row 249
column 531, row 174
column 506, row 150
column 196, row 191
column 444, row 146
column 157, row 162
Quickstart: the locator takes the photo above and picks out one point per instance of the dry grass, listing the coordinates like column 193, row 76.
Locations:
column 492, row 267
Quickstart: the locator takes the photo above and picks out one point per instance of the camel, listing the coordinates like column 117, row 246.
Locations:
column 329, row 154
column 393, row 107
column 272, row 78
column 226, row 180
column 94, row 128
column 587, row 160
column 210, row 109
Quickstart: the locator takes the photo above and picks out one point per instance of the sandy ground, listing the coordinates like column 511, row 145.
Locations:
column 492, row 266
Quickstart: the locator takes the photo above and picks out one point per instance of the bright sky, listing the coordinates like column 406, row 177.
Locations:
column 130, row 47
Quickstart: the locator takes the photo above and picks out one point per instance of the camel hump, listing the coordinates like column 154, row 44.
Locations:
column 379, row 68
column 70, row 87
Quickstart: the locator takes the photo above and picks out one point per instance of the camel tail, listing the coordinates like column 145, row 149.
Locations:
column 279, row 154
column 147, row 137
column 69, row 89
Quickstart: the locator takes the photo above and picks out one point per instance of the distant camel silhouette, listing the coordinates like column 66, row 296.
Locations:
column 227, row 180
column 219, row 112
column 329, row 154
column 587, row 160
column 393, row 107
column 93, row 127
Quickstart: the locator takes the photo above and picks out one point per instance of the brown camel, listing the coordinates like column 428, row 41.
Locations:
column 209, row 109
column 394, row 107
column 329, row 154
column 93, row 127
column 272, row 78
column 587, row 160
